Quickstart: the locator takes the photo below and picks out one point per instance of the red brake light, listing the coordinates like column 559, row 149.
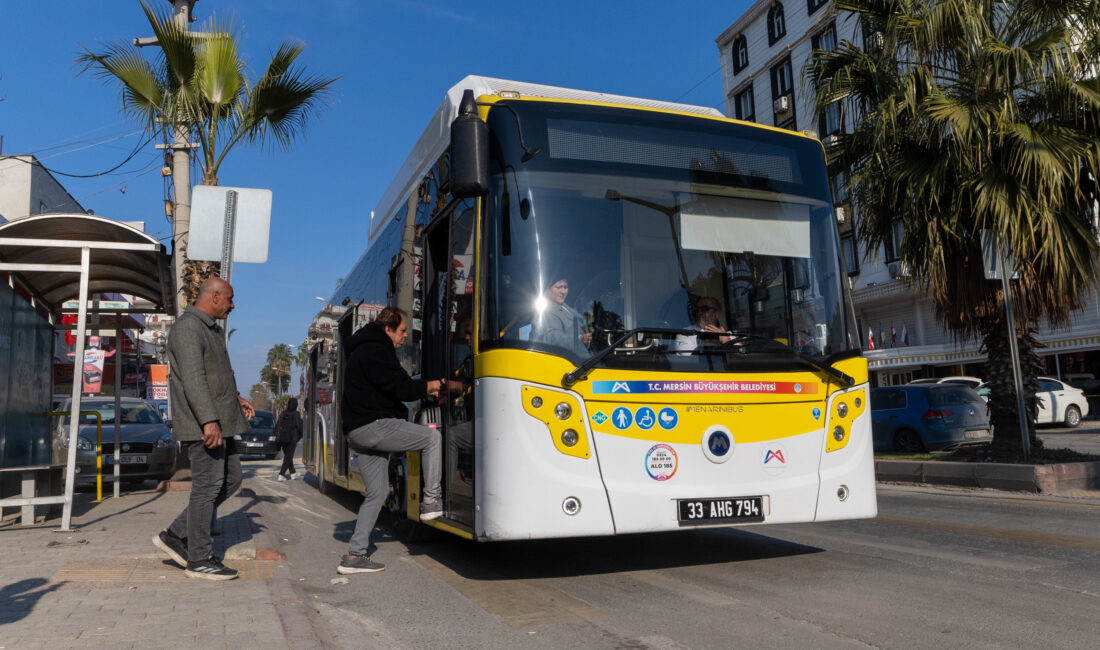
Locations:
column 932, row 414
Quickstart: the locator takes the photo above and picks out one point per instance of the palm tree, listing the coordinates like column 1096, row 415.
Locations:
column 277, row 371
column 974, row 115
column 199, row 82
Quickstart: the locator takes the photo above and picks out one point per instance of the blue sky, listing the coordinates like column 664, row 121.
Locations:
column 395, row 60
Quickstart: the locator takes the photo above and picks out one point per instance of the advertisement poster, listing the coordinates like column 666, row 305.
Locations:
column 93, row 371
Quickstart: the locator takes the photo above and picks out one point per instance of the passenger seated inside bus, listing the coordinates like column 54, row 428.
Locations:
column 559, row 324
column 705, row 318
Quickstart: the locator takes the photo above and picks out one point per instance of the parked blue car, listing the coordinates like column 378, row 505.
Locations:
column 928, row 417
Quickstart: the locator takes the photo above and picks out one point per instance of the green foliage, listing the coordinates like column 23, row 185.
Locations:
column 259, row 396
column 202, row 83
column 973, row 115
column 276, row 373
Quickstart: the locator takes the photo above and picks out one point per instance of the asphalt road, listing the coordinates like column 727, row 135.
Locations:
column 1085, row 438
column 938, row 568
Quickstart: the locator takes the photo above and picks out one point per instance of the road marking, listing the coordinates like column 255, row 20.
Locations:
column 1012, row 534
column 517, row 603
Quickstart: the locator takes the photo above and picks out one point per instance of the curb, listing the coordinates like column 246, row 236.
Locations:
column 1045, row 479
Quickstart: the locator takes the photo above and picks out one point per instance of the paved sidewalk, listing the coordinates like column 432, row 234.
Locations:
column 106, row 585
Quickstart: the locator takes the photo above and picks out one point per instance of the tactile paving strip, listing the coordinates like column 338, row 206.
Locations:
column 123, row 571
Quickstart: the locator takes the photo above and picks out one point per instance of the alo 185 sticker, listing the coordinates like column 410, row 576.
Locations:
column 661, row 462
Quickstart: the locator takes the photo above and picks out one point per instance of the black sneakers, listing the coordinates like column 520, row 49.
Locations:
column 210, row 569
column 431, row 509
column 175, row 547
column 359, row 564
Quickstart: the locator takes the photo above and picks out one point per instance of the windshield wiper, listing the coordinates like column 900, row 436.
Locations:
column 844, row 378
column 582, row 370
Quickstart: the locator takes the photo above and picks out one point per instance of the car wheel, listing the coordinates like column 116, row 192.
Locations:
column 908, row 441
column 1073, row 416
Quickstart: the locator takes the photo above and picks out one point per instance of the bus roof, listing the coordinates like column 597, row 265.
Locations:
column 436, row 137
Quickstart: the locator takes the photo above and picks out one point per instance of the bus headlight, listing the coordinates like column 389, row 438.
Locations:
column 536, row 401
column 842, row 493
column 842, row 409
column 569, row 437
column 571, row 506
column 838, row 433
column 563, row 411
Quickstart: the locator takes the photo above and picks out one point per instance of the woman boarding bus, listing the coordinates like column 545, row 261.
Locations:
column 650, row 213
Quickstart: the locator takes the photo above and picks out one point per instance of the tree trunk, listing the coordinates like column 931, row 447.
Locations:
column 1007, row 441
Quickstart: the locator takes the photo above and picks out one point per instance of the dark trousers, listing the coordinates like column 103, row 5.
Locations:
column 215, row 476
column 288, row 456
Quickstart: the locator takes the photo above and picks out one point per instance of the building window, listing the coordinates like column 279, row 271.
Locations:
column 740, row 54
column 850, row 252
column 831, row 122
column 825, row 39
column 777, row 24
column 838, row 184
column 783, row 95
column 894, row 239
column 814, row 5
column 744, row 105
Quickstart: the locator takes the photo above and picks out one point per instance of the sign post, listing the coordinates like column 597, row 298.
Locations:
column 1000, row 263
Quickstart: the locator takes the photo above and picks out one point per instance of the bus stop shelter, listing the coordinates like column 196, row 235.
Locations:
column 63, row 257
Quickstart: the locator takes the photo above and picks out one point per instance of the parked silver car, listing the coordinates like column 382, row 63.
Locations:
column 146, row 451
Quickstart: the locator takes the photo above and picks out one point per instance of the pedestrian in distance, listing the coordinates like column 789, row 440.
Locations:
column 376, row 423
column 288, row 431
column 207, row 412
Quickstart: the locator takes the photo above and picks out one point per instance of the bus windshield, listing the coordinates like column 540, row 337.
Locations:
column 685, row 243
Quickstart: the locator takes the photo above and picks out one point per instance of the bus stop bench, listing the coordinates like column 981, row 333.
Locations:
column 38, row 484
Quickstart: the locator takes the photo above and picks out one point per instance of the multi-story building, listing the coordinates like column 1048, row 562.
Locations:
column 763, row 57
column 27, row 189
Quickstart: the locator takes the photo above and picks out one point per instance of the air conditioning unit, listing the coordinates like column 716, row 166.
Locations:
column 842, row 215
column 782, row 104
column 898, row 270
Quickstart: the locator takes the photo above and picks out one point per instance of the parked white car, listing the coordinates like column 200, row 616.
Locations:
column 1058, row 402
column 972, row 382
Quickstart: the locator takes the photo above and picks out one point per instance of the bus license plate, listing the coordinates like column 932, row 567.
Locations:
column 719, row 511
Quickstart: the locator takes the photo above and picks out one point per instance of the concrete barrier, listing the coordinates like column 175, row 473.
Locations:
column 1046, row 479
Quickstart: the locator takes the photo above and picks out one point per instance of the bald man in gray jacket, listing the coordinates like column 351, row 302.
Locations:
column 207, row 411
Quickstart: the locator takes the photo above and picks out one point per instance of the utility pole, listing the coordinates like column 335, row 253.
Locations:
column 181, row 169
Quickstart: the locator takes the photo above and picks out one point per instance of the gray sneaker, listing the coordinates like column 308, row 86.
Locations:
column 350, row 564
column 431, row 509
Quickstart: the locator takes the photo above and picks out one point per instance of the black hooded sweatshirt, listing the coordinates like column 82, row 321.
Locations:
column 375, row 384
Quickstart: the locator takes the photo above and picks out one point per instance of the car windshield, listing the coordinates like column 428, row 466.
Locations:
column 262, row 421
column 713, row 243
column 132, row 412
column 948, row 395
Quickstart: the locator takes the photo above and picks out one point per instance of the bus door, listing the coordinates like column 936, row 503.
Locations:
column 311, row 442
column 345, row 327
column 448, row 332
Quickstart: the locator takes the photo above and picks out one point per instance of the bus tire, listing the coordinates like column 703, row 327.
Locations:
column 404, row 529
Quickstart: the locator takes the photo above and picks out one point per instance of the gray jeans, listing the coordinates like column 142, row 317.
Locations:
column 374, row 442
column 215, row 476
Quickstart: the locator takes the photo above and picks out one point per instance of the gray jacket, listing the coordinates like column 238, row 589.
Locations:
column 201, row 381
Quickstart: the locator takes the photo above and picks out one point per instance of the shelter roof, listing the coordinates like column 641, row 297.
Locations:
column 122, row 259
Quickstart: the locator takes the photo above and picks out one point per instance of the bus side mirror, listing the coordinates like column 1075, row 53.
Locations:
column 469, row 151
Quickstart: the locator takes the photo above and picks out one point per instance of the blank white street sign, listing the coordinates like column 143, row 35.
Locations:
column 253, row 224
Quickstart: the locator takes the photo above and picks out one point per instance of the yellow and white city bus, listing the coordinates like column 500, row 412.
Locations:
column 604, row 406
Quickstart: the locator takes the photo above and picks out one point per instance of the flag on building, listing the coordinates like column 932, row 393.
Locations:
column 882, row 337
column 904, row 334
column 893, row 336
column 870, row 339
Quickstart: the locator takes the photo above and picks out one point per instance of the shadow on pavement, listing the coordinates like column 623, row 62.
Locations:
column 19, row 598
